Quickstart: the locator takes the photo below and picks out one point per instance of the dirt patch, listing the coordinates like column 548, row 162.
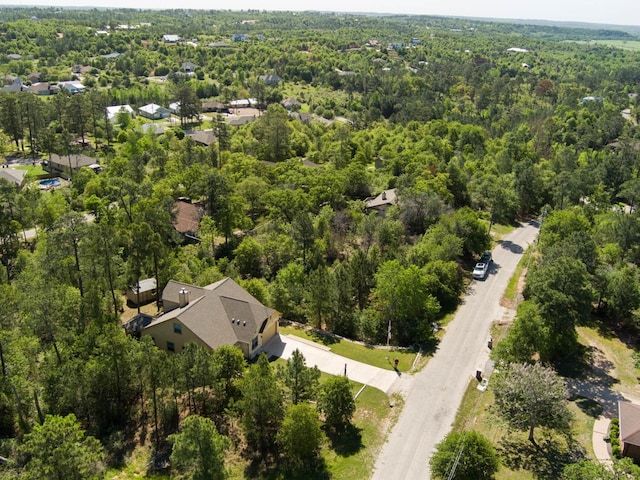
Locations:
column 129, row 311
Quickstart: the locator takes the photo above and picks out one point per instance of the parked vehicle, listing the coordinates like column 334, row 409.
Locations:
column 480, row 271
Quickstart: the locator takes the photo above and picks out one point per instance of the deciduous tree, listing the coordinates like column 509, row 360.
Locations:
column 530, row 396
column 464, row 455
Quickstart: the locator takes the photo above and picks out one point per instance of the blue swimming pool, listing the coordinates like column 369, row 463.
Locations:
column 50, row 183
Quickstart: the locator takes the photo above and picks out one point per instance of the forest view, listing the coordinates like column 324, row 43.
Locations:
column 347, row 171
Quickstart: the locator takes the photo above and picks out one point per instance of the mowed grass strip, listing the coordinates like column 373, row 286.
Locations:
column 377, row 357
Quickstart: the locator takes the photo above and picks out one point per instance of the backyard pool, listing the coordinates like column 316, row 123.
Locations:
column 49, row 183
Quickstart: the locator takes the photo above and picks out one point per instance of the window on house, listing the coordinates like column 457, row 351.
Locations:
column 171, row 347
column 177, row 328
column 254, row 343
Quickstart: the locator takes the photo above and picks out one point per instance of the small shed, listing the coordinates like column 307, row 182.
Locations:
column 144, row 292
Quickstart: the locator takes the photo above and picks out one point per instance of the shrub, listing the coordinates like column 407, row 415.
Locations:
column 614, row 436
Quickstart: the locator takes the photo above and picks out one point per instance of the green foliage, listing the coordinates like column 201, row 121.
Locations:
column 198, row 450
column 403, row 295
column 336, row 402
column 59, row 448
column 614, row 437
column 589, row 470
column 300, row 437
column 261, row 407
column 530, row 396
column 301, row 381
column 471, row 454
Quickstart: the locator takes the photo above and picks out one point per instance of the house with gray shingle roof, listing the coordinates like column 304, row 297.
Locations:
column 222, row 313
column 13, row 176
column 381, row 202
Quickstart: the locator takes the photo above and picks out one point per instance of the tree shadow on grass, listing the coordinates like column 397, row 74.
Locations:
column 588, row 406
column 347, row 442
column 545, row 461
column 315, row 469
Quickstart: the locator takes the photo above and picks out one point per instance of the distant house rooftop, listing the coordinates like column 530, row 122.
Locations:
column 187, row 220
column 13, row 175
column 72, row 86
column 113, row 111
column 382, row 201
column 203, row 137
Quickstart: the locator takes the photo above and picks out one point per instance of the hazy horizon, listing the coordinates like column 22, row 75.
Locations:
column 614, row 12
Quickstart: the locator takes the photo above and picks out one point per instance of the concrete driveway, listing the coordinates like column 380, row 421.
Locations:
column 319, row 355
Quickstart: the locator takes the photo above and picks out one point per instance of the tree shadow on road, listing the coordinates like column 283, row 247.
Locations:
column 512, row 247
column 545, row 460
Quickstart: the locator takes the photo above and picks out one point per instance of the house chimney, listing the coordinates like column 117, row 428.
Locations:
column 384, row 195
column 183, row 297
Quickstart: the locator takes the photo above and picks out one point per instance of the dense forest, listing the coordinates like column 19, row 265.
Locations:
column 472, row 124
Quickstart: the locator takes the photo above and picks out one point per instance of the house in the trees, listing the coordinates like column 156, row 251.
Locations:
column 13, row 176
column 12, row 84
column 203, row 138
column 72, row 86
column 153, row 111
column 67, row 165
column 42, row 88
column 270, row 79
column 144, row 292
column 216, row 107
column 171, row 38
column 189, row 67
column 222, row 313
column 187, row 219
column 113, row 112
column 381, row 202
column 629, row 416
column 291, row 104
column 174, row 108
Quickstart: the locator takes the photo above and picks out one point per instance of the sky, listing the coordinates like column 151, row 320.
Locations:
column 617, row 12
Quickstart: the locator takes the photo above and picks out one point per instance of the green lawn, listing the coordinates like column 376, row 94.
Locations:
column 620, row 364
column 476, row 413
column 32, row 170
column 372, row 356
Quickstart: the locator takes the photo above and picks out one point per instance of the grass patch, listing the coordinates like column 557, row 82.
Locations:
column 511, row 292
column 519, row 458
column 618, row 354
column 376, row 357
column 356, row 457
column 33, row 171
column 137, row 466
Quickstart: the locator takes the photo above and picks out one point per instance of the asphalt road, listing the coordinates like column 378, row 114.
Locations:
column 436, row 392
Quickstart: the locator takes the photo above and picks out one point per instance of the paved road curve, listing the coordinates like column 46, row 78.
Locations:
column 436, row 392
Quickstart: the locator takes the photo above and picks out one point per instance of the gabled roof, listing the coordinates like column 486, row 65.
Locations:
column 12, row 175
column 152, row 108
column 387, row 197
column 203, row 137
column 75, row 159
column 40, row 87
column 73, row 86
column 629, row 423
column 113, row 111
column 153, row 127
column 144, row 285
column 222, row 313
column 188, row 217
